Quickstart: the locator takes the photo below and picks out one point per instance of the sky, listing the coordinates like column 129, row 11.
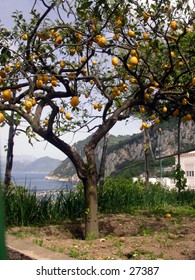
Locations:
column 42, row 148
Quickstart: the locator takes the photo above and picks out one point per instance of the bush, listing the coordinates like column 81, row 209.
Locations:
column 124, row 196
column 23, row 207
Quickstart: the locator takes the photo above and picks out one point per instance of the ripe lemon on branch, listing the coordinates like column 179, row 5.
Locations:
column 2, row 118
column 173, row 25
column 74, row 102
column 68, row 116
column 115, row 61
column 133, row 60
column 6, row 95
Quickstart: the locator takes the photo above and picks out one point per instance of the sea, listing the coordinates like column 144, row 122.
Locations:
column 35, row 181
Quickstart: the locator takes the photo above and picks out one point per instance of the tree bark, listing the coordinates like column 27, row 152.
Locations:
column 91, row 197
column 146, row 154
column 179, row 150
column 91, row 211
column 102, row 170
column 9, row 158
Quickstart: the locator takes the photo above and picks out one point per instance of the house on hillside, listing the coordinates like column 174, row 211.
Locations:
column 187, row 162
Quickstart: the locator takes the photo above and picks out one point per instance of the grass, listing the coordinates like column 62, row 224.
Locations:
column 57, row 249
column 118, row 245
column 91, row 236
column 38, row 242
column 75, row 253
column 20, row 235
column 23, row 208
column 146, row 231
column 137, row 255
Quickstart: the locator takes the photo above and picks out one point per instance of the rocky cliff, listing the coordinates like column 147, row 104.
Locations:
column 124, row 151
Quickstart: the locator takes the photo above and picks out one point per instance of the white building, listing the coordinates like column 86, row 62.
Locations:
column 187, row 162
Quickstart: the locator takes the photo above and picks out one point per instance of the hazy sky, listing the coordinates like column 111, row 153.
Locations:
column 39, row 149
column 7, row 7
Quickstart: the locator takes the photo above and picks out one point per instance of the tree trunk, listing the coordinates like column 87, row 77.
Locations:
column 102, row 170
column 9, row 158
column 146, row 154
column 91, row 204
column 91, row 198
column 147, row 169
column 179, row 151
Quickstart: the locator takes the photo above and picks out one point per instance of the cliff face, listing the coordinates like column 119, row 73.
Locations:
column 125, row 150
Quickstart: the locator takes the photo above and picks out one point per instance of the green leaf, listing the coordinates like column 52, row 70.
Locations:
column 85, row 5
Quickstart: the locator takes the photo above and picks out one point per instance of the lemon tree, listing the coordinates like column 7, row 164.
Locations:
column 89, row 64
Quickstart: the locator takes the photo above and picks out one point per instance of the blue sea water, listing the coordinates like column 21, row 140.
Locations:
column 36, row 181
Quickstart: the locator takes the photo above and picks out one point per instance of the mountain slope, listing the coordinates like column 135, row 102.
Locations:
column 125, row 151
column 44, row 164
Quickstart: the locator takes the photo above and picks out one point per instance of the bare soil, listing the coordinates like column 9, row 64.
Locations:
column 122, row 237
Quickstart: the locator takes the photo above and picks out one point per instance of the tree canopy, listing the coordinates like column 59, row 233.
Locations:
column 88, row 64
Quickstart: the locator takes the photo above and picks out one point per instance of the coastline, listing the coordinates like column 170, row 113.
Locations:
column 65, row 179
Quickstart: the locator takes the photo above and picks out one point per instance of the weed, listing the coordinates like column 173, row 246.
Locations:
column 137, row 255
column 38, row 242
column 19, row 234
column 74, row 253
column 57, row 249
column 145, row 231
column 165, row 242
column 118, row 245
column 91, row 236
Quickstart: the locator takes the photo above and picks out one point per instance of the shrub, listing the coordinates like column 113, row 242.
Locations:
column 23, row 207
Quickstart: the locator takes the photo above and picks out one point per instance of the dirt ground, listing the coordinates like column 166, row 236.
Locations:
column 122, row 237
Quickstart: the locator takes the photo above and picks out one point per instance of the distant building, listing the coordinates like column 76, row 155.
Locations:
column 187, row 162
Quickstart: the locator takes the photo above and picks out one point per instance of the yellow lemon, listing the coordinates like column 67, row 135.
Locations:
column 133, row 81
column 28, row 104
column 133, row 60
column 95, row 106
column 131, row 33
column 168, row 215
column 102, row 42
column 72, row 52
column 74, row 102
column 25, row 37
column 7, row 68
column 62, row 63
column 2, row 118
column 173, row 25
column 68, row 116
column 6, row 94
column 164, row 109
column 146, row 16
column 39, row 83
column 142, row 109
column 146, row 36
column 188, row 117
column 115, row 61
column 176, row 112
column 157, row 121
column 54, row 83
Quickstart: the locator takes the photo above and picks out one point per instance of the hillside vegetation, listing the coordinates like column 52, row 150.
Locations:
column 125, row 154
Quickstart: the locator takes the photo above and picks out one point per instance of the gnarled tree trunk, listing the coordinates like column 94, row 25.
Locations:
column 91, row 211
column 102, row 170
column 9, row 158
column 91, row 197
